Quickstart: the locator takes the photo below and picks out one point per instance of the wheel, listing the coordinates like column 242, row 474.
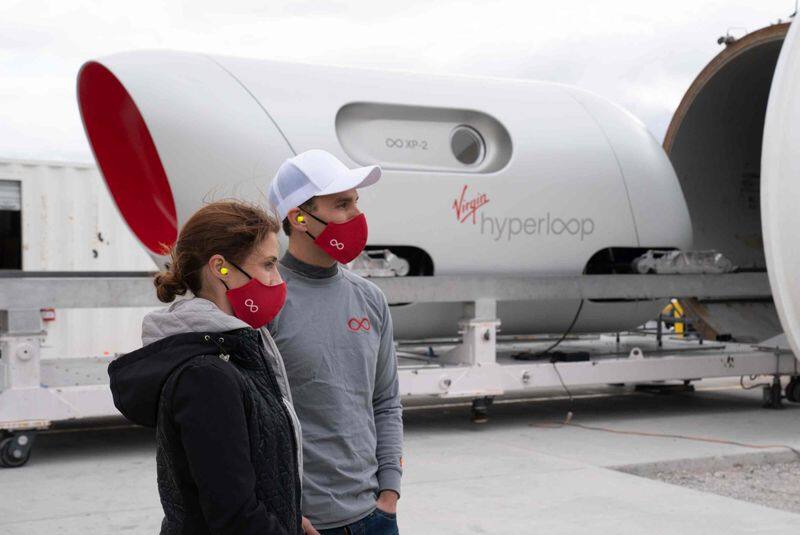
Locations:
column 796, row 391
column 793, row 390
column 13, row 454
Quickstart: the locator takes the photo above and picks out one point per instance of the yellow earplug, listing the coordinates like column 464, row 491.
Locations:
column 300, row 219
column 224, row 271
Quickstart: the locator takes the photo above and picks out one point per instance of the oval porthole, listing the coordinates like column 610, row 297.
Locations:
column 467, row 145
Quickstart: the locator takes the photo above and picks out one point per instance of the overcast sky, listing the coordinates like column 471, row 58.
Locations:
column 643, row 55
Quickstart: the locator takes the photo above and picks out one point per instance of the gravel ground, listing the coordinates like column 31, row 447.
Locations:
column 773, row 485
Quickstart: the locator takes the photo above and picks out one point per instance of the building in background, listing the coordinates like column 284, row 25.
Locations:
column 59, row 217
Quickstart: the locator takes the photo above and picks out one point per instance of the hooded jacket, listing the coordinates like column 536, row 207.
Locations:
column 227, row 438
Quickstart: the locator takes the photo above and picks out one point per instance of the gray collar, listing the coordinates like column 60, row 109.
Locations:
column 309, row 270
column 187, row 315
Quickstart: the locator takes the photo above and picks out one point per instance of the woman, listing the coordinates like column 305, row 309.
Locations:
column 211, row 381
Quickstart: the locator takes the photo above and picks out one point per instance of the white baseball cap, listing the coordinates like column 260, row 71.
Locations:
column 312, row 173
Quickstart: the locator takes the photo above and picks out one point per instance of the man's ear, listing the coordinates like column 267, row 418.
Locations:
column 297, row 219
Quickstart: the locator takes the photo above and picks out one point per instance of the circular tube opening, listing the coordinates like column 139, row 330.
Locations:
column 714, row 143
column 127, row 157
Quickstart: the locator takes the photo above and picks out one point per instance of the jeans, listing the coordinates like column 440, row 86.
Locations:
column 376, row 523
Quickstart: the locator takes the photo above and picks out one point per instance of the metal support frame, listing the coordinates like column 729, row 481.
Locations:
column 516, row 377
column 478, row 331
column 22, row 336
column 87, row 290
column 478, row 347
column 474, row 369
column 24, row 402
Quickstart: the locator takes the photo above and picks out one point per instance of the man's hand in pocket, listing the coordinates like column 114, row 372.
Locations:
column 387, row 501
column 308, row 529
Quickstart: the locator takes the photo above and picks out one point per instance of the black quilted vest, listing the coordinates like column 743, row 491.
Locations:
column 272, row 441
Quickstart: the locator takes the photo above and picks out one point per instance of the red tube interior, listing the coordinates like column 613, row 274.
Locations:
column 127, row 157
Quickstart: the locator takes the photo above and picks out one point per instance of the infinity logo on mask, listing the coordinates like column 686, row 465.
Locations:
column 358, row 324
column 251, row 305
column 339, row 245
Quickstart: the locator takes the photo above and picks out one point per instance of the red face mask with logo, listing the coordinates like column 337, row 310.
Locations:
column 342, row 241
column 255, row 303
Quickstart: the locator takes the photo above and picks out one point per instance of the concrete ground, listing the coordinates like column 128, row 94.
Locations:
column 518, row 473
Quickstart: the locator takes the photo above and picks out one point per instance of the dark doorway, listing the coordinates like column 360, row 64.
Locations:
column 10, row 239
column 10, row 224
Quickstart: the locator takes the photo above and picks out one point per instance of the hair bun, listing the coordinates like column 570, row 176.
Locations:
column 168, row 285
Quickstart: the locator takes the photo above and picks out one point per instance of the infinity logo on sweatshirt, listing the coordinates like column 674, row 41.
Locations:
column 358, row 324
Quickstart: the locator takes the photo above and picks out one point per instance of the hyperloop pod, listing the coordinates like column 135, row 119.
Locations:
column 481, row 175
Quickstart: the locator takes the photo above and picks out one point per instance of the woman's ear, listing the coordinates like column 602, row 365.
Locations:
column 216, row 264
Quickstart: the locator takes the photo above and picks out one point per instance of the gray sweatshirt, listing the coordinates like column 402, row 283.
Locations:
column 201, row 315
column 335, row 335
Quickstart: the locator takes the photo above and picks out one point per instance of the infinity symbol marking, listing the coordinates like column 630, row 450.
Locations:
column 251, row 305
column 357, row 324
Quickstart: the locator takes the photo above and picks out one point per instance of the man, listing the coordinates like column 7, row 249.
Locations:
column 335, row 336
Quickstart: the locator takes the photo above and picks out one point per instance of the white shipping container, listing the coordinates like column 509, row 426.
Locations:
column 69, row 223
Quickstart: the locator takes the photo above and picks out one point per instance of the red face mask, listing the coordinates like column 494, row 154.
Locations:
column 255, row 303
column 342, row 241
